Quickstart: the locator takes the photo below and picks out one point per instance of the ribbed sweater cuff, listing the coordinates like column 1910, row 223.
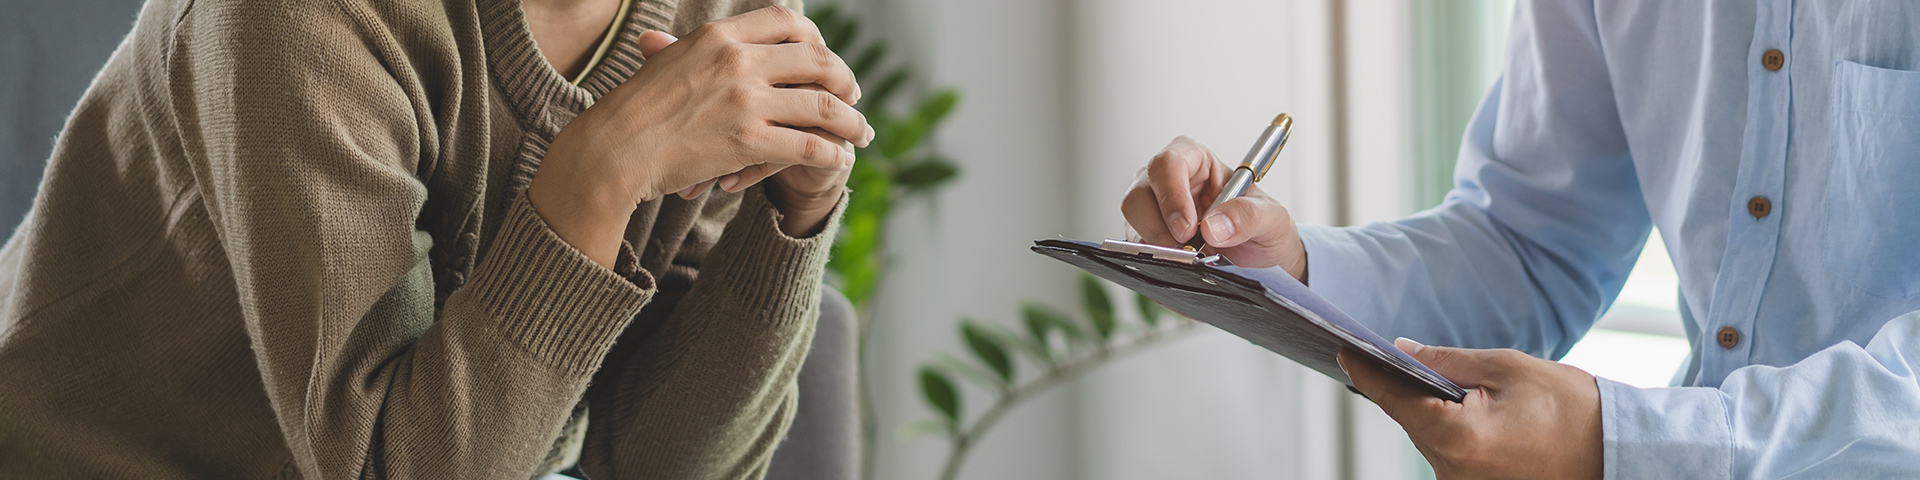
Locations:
column 766, row 270
column 551, row 299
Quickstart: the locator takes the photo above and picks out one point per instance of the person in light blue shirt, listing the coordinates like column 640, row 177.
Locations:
column 1774, row 145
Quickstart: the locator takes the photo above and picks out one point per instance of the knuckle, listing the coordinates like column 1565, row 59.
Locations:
column 815, row 149
column 743, row 138
column 739, row 96
column 715, row 29
column 827, row 105
column 1510, row 357
column 732, row 57
column 782, row 13
column 823, row 56
column 1164, row 197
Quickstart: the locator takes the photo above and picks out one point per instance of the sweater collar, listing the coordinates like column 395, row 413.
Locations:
column 541, row 98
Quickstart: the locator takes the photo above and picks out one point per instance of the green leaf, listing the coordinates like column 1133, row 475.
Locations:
column 1041, row 318
column 872, row 190
column 968, row 371
column 934, row 109
column 927, row 174
column 855, row 253
column 901, row 139
column 931, row 111
column 824, row 14
column 931, row 426
column 868, row 59
column 872, row 156
column 842, row 36
column 1093, row 296
column 1037, row 350
column 827, row 19
column 938, row 390
column 988, row 349
column 1150, row 311
column 884, row 91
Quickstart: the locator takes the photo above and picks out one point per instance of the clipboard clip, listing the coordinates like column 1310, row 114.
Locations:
column 1162, row 253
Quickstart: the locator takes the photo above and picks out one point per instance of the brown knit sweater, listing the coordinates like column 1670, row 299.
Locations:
column 288, row 239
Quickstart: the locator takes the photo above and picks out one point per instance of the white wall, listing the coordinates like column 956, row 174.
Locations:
column 966, row 253
column 1062, row 101
column 1214, row 406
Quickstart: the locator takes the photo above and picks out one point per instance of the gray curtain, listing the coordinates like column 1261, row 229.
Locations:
column 49, row 53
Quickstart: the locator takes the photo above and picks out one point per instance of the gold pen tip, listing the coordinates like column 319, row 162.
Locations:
column 1283, row 121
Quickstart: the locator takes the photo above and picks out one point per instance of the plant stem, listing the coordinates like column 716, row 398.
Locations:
column 863, row 385
column 963, row 440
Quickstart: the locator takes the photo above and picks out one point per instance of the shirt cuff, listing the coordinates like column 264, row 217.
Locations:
column 1680, row 432
column 552, row 300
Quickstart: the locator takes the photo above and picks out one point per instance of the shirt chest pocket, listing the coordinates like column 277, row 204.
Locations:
column 1872, row 239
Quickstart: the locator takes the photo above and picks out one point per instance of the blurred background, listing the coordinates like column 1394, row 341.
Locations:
column 1063, row 100
column 1060, row 102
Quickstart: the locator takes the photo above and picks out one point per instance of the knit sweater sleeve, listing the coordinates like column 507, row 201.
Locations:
column 729, row 351
column 305, row 145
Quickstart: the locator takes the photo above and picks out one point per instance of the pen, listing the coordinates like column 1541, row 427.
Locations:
column 1252, row 169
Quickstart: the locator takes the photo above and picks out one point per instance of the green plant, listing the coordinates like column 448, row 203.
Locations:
column 896, row 167
column 1059, row 347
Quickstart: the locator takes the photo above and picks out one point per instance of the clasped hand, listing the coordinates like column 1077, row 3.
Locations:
column 738, row 101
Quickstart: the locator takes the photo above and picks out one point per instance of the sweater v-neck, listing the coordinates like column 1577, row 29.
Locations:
column 539, row 96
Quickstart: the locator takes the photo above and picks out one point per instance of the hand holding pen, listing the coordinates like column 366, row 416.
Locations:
column 1251, row 229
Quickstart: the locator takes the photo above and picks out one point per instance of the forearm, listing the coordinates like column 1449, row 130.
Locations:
column 479, row 393
column 709, row 391
column 1454, row 276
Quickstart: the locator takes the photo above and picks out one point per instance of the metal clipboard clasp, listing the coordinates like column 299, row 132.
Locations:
column 1162, row 253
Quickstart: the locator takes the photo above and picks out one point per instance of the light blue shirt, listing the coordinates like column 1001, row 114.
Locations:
column 1615, row 117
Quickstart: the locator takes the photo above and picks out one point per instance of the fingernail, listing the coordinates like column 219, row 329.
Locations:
column 727, row 182
column 1221, row 227
column 846, row 159
column 1409, row 345
column 1342, row 364
column 869, row 140
column 1176, row 222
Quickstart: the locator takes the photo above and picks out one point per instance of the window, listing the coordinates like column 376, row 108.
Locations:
column 1457, row 50
column 1639, row 341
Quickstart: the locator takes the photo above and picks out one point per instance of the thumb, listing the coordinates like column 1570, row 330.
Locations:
column 1467, row 367
column 1252, row 230
column 653, row 41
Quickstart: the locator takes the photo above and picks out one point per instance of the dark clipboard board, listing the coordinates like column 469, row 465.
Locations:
column 1296, row 324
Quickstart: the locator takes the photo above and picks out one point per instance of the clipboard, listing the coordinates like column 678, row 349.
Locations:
column 1265, row 306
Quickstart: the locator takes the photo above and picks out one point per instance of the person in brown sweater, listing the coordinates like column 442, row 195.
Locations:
column 390, row 239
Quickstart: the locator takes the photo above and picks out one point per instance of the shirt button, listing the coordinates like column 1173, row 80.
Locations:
column 1759, row 206
column 1728, row 337
column 1773, row 59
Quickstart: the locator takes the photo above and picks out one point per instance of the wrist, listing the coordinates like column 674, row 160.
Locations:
column 584, row 211
column 802, row 215
column 1298, row 264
